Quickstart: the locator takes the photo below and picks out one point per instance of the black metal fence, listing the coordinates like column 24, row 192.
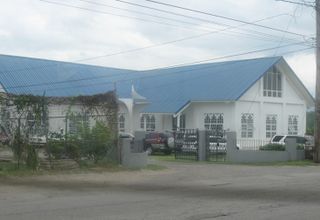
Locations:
column 186, row 144
column 216, row 146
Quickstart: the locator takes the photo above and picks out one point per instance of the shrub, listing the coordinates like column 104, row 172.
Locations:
column 31, row 157
column 300, row 147
column 98, row 142
column 273, row 147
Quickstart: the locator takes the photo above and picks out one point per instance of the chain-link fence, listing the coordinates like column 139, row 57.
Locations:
column 42, row 130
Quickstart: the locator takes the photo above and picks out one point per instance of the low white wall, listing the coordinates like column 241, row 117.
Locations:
column 260, row 156
column 129, row 159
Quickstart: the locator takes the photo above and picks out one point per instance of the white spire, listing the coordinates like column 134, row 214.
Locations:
column 135, row 95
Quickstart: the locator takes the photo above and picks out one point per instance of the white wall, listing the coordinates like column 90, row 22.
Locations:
column 195, row 113
column 252, row 101
column 291, row 103
column 122, row 109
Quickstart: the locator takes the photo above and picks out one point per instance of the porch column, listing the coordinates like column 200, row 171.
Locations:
column 178, row 122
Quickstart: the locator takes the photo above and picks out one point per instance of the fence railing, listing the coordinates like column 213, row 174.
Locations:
column 251, row 144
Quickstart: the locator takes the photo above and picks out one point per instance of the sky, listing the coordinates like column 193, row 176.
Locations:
column 111, row 32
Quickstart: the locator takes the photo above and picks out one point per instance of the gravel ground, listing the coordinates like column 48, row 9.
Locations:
column 183, row 191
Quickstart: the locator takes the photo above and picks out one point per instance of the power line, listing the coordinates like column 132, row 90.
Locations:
column 254, row 33
column 310, row 4
column 140, row 77
column 182, row 64
column 141, row 48
column 49, row 83
column 287, row 28
column 224, row 17
column 143, row 13
column 180, row 80
column 109, row 13
column 192, row 17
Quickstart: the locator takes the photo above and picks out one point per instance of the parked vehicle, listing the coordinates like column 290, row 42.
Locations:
column 190, row 143
column 309, row 147
column 281, row 139
column 217, row 144
column 38, row 140
column 125, row 135
column 56, row 136
column 158, row 142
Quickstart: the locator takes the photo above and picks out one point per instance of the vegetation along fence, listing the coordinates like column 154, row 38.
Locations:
column 40, row 130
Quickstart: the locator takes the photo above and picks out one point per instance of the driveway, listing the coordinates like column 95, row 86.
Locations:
column 183, row 191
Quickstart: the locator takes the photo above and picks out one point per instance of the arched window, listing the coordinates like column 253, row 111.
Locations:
column 272, row 83
column 121, row 122
column 207, row 122
column 247, row 125
column 271, row 125
column 152, row 124
column 293, row 125
column 214, row 121
column 148, row 122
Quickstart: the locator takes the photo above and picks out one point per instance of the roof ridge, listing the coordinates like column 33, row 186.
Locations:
column 62, row 62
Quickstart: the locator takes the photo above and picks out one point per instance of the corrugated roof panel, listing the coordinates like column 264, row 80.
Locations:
column 167, row 90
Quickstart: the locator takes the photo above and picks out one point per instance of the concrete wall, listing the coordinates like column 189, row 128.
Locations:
column 258, row 156
column 129, row 159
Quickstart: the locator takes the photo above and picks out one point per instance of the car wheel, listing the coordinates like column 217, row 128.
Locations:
column 170, row 142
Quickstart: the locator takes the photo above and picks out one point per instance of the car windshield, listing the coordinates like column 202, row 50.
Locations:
column 277, row 138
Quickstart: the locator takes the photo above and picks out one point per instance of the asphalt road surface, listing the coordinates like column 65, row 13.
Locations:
column 183, row 191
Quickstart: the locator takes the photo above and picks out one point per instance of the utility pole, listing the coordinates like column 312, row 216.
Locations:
column 316, row 156
column 316, row 6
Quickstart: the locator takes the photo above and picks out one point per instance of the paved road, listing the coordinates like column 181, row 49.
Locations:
column 183, row 191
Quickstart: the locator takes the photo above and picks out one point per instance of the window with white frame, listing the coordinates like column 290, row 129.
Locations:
column 293, row 124
column 214, row 121
column 148, row 122
column 121, row 122
column 271, row 126
column 77, row 121
column 182, row 122
column 247, row 125
column 272, row 83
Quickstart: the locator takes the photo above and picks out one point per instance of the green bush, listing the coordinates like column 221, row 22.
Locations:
column 300, row 147
column 89, row 143
column 273, row 147
column 32, row 160
column 56, row 149
column 97, row 143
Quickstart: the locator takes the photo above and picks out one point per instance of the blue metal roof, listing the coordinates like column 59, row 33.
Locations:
column 170, row 89
column 167, row 90
column 23, row 75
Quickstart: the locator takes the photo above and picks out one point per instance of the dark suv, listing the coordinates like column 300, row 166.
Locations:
column 158, row 142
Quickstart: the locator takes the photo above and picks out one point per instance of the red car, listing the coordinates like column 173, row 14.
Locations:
column 158, row 142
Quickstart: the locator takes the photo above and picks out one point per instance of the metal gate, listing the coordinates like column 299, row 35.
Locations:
column 186, row 144
column 216, row 146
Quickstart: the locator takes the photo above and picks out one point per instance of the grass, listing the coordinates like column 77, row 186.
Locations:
column 299, row 163
column 171, row 158
column 155, row 167
column 11, row 169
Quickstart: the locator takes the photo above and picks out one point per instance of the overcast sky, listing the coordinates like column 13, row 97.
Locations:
column 67, row 32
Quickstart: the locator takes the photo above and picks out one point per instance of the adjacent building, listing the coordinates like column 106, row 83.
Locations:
column 257, row 98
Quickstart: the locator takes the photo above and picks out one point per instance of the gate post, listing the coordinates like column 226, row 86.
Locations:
column 231, row 137
column 291, row 148
column 202, row 150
